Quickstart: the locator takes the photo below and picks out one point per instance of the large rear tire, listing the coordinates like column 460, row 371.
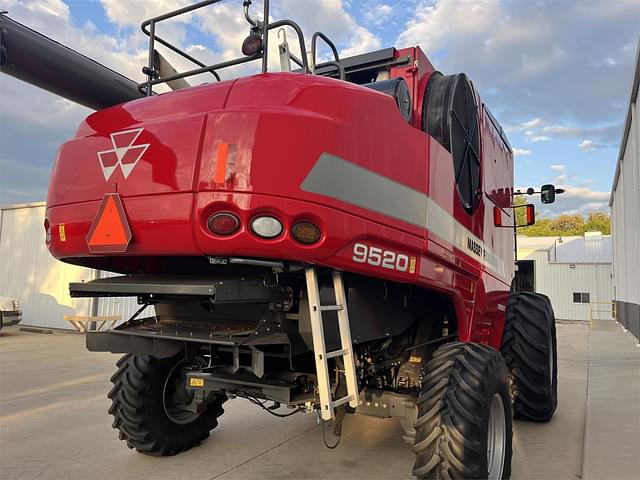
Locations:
column 148, row 407
column 464, row 425
column 530, row 350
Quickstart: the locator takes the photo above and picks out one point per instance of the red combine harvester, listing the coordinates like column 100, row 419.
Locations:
column 329, row 238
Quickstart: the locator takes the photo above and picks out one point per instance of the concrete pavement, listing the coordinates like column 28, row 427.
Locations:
column 53, row 424
column 612, row 428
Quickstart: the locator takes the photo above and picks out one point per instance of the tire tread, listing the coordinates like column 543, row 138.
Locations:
column 529, row 333
column 141, row 426
column 450, row 410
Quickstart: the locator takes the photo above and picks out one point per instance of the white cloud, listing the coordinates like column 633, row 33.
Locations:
column 54, row 8
column 533, row 137
column 133, row 13
column 533, row 123
column 518, row 152
column 591, row 146
column 605, row 134
column 582, row 200
column 54, row 118
column 558, row 168
column 330, row 17
column 575, row 200
column 560, row 179
column 586, row 145
column 378, row 14
column 562, row 131
column 525, row 53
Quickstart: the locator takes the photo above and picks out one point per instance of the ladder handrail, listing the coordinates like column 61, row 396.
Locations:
column 316, row 309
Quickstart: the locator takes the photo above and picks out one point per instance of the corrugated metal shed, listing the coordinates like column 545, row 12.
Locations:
column 625, row 214
column 594, row 249
column 30, row 274
column 41, row 283
column 581, row 268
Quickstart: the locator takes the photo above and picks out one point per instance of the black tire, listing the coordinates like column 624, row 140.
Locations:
column 530, row 350
column 137, row 406
column 454, row 407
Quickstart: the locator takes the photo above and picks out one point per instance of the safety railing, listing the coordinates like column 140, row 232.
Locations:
column 336, row 58
column 260, row 27
column 602, row 307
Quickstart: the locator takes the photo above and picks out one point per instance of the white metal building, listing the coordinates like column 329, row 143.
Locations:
column 30, row 274
column 574, row 272
column 625, row 215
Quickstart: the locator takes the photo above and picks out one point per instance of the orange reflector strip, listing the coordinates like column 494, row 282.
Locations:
column 531, row 214
column 110, row 232
column 497, row 217
column 221, row 162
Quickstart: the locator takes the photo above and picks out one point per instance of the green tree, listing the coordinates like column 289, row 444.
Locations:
column 542, row 228
column 567, row 224
column 539, row 229
column 599, row 221
column 521, row 213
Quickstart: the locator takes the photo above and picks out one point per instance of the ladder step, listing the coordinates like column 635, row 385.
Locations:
column 331, row 308
column 338, row 353
column 340, row 401
column 345, row 350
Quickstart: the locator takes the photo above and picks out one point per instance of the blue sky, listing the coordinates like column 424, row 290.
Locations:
column 555, row 73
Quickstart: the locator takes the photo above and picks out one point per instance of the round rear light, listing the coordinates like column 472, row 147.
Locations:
column 306, row 232
column 224, row 224
column 266, row 227
column 252, row 45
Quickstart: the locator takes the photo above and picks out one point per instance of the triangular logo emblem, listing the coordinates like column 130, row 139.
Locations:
column 124, row 153
column 110, row 232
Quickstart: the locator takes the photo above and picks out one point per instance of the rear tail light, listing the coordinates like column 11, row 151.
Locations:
column 266, row 227
column 306, row 233
column 47, row 230
column 224, row 224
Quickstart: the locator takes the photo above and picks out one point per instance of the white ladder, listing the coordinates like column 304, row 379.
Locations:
column 328, row 404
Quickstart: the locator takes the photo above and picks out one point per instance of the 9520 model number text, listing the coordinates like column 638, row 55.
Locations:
column 379, row 257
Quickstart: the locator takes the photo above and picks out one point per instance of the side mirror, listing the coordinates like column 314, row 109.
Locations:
column 530, row 216
column 548, row 193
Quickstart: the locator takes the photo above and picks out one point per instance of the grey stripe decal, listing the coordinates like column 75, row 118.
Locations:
column 336, row 178
column 440, row 222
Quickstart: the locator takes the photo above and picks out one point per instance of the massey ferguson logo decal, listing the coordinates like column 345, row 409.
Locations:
column 124, row 153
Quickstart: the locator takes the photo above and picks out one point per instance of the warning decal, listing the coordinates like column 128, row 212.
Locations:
column 110, row 232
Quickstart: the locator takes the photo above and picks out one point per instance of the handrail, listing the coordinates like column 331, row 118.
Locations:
column 303, row 62
column 151, row 23
column 265, row 37
column 611, row 309
column 149, row 26
column 335, row 63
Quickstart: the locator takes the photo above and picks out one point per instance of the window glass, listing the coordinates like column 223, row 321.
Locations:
column 581, row 297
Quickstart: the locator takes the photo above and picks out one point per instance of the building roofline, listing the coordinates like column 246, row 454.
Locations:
column 17, row 206
column 627, row 123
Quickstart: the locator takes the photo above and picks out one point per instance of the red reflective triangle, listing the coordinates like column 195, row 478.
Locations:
column 110, row 232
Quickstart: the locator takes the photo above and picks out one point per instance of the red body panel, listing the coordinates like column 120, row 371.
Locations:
column 277, row 128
